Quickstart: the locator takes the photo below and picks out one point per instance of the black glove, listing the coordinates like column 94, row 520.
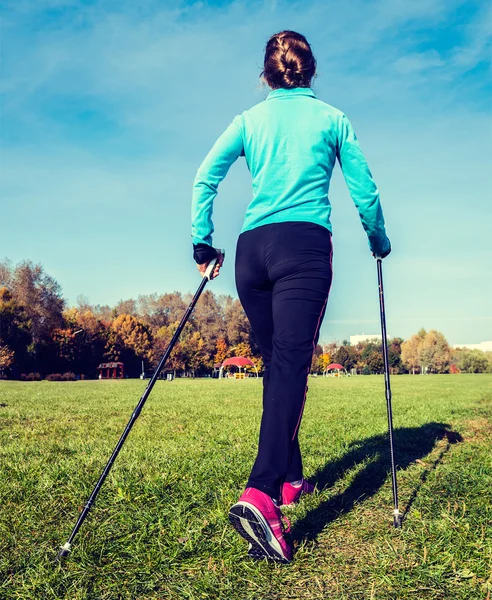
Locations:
column 384, row 254
column 203, row 253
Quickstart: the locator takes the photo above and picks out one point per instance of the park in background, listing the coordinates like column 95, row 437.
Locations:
column 41, row 337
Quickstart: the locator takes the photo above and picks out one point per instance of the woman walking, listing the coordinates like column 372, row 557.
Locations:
column 291, row 142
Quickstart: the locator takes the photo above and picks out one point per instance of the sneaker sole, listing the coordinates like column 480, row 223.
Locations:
column 248, row 521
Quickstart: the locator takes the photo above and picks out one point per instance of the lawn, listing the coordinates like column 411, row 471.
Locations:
column 159, row 529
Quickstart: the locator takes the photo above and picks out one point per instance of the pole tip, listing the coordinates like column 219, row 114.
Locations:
column 65, row 550
column 397, row 519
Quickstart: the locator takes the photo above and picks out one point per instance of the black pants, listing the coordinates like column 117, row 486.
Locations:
column 283, row 277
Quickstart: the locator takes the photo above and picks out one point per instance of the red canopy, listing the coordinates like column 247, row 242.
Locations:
column 334, row 366
column 238, row 361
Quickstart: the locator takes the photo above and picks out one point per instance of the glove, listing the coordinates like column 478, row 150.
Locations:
column 383, row 254
column 203, row 253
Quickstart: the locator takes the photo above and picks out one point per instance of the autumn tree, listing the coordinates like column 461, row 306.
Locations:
column 208, row 319
column 6, row 360
column 5, row 274
column 189, row 352
column 130, row 341
column 68, row 349
column 410, row 352
column 221, row 351
column 162, row 339
column 195, row 355
column 244, row 349
column 80, row 343
column 315, row 362
column 435, row 353
column 40, row 295
column 15, row 334
column 324, row 360
column 127, row 307
column 161, row 310
column 237, row 325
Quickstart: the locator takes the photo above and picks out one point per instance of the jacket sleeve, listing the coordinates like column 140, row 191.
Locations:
column 362, row 187
column 211, row 172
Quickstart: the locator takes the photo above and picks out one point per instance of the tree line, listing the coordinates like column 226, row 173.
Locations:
column 42, row 337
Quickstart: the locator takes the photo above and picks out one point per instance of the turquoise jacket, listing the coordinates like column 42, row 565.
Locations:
column 290, row 142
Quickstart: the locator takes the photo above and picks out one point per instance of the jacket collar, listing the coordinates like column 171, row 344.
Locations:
column 288, row 92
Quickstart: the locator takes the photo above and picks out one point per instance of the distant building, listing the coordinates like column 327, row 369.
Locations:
column 356, row 339
column 111, row 370
column 484, row 346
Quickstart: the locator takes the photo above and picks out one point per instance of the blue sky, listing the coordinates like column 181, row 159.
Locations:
column 108, row 108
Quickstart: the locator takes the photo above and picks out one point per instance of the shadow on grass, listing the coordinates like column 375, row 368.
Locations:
column 411, row 444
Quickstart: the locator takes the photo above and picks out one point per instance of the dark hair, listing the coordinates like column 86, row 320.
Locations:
column 289, row 61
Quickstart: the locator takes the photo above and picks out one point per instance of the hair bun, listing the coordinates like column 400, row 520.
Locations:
column 289, row 61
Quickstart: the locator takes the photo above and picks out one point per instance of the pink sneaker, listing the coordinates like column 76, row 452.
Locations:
column 259, row 521
column 291, row 494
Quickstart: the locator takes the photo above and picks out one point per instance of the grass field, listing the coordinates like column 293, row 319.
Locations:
column 159, row 529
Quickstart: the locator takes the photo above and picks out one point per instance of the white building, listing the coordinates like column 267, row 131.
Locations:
column 484, row 346
column 355, row 339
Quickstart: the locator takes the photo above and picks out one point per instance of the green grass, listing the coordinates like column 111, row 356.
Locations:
column 159, row 529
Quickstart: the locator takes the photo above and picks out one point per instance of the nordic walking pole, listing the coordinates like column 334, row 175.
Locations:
column 396, row 511
column 65, row 549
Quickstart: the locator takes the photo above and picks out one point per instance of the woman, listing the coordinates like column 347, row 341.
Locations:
column 290, row 142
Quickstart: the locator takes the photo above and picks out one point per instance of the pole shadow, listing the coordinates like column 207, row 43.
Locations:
column 411, row 444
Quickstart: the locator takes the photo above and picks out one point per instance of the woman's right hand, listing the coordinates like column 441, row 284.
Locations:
column 215, row 273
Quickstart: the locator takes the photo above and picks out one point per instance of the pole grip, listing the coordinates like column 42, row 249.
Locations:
column 212, row 265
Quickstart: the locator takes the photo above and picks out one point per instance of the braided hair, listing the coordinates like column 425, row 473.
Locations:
column 289, row 61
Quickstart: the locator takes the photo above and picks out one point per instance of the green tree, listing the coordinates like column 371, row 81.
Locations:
column 471, row 361
column 347, row 356
column 375, row 362
column 394, row 355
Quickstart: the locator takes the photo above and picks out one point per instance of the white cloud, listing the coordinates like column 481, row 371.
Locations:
column 418, row 62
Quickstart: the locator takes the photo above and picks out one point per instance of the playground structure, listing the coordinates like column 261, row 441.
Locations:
column 335, row 370
column 111, row 370
column 240, row 362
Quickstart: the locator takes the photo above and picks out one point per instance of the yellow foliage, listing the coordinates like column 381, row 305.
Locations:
column 134, row 334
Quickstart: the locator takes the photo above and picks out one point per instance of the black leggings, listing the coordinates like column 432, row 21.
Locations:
column 283, row 277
